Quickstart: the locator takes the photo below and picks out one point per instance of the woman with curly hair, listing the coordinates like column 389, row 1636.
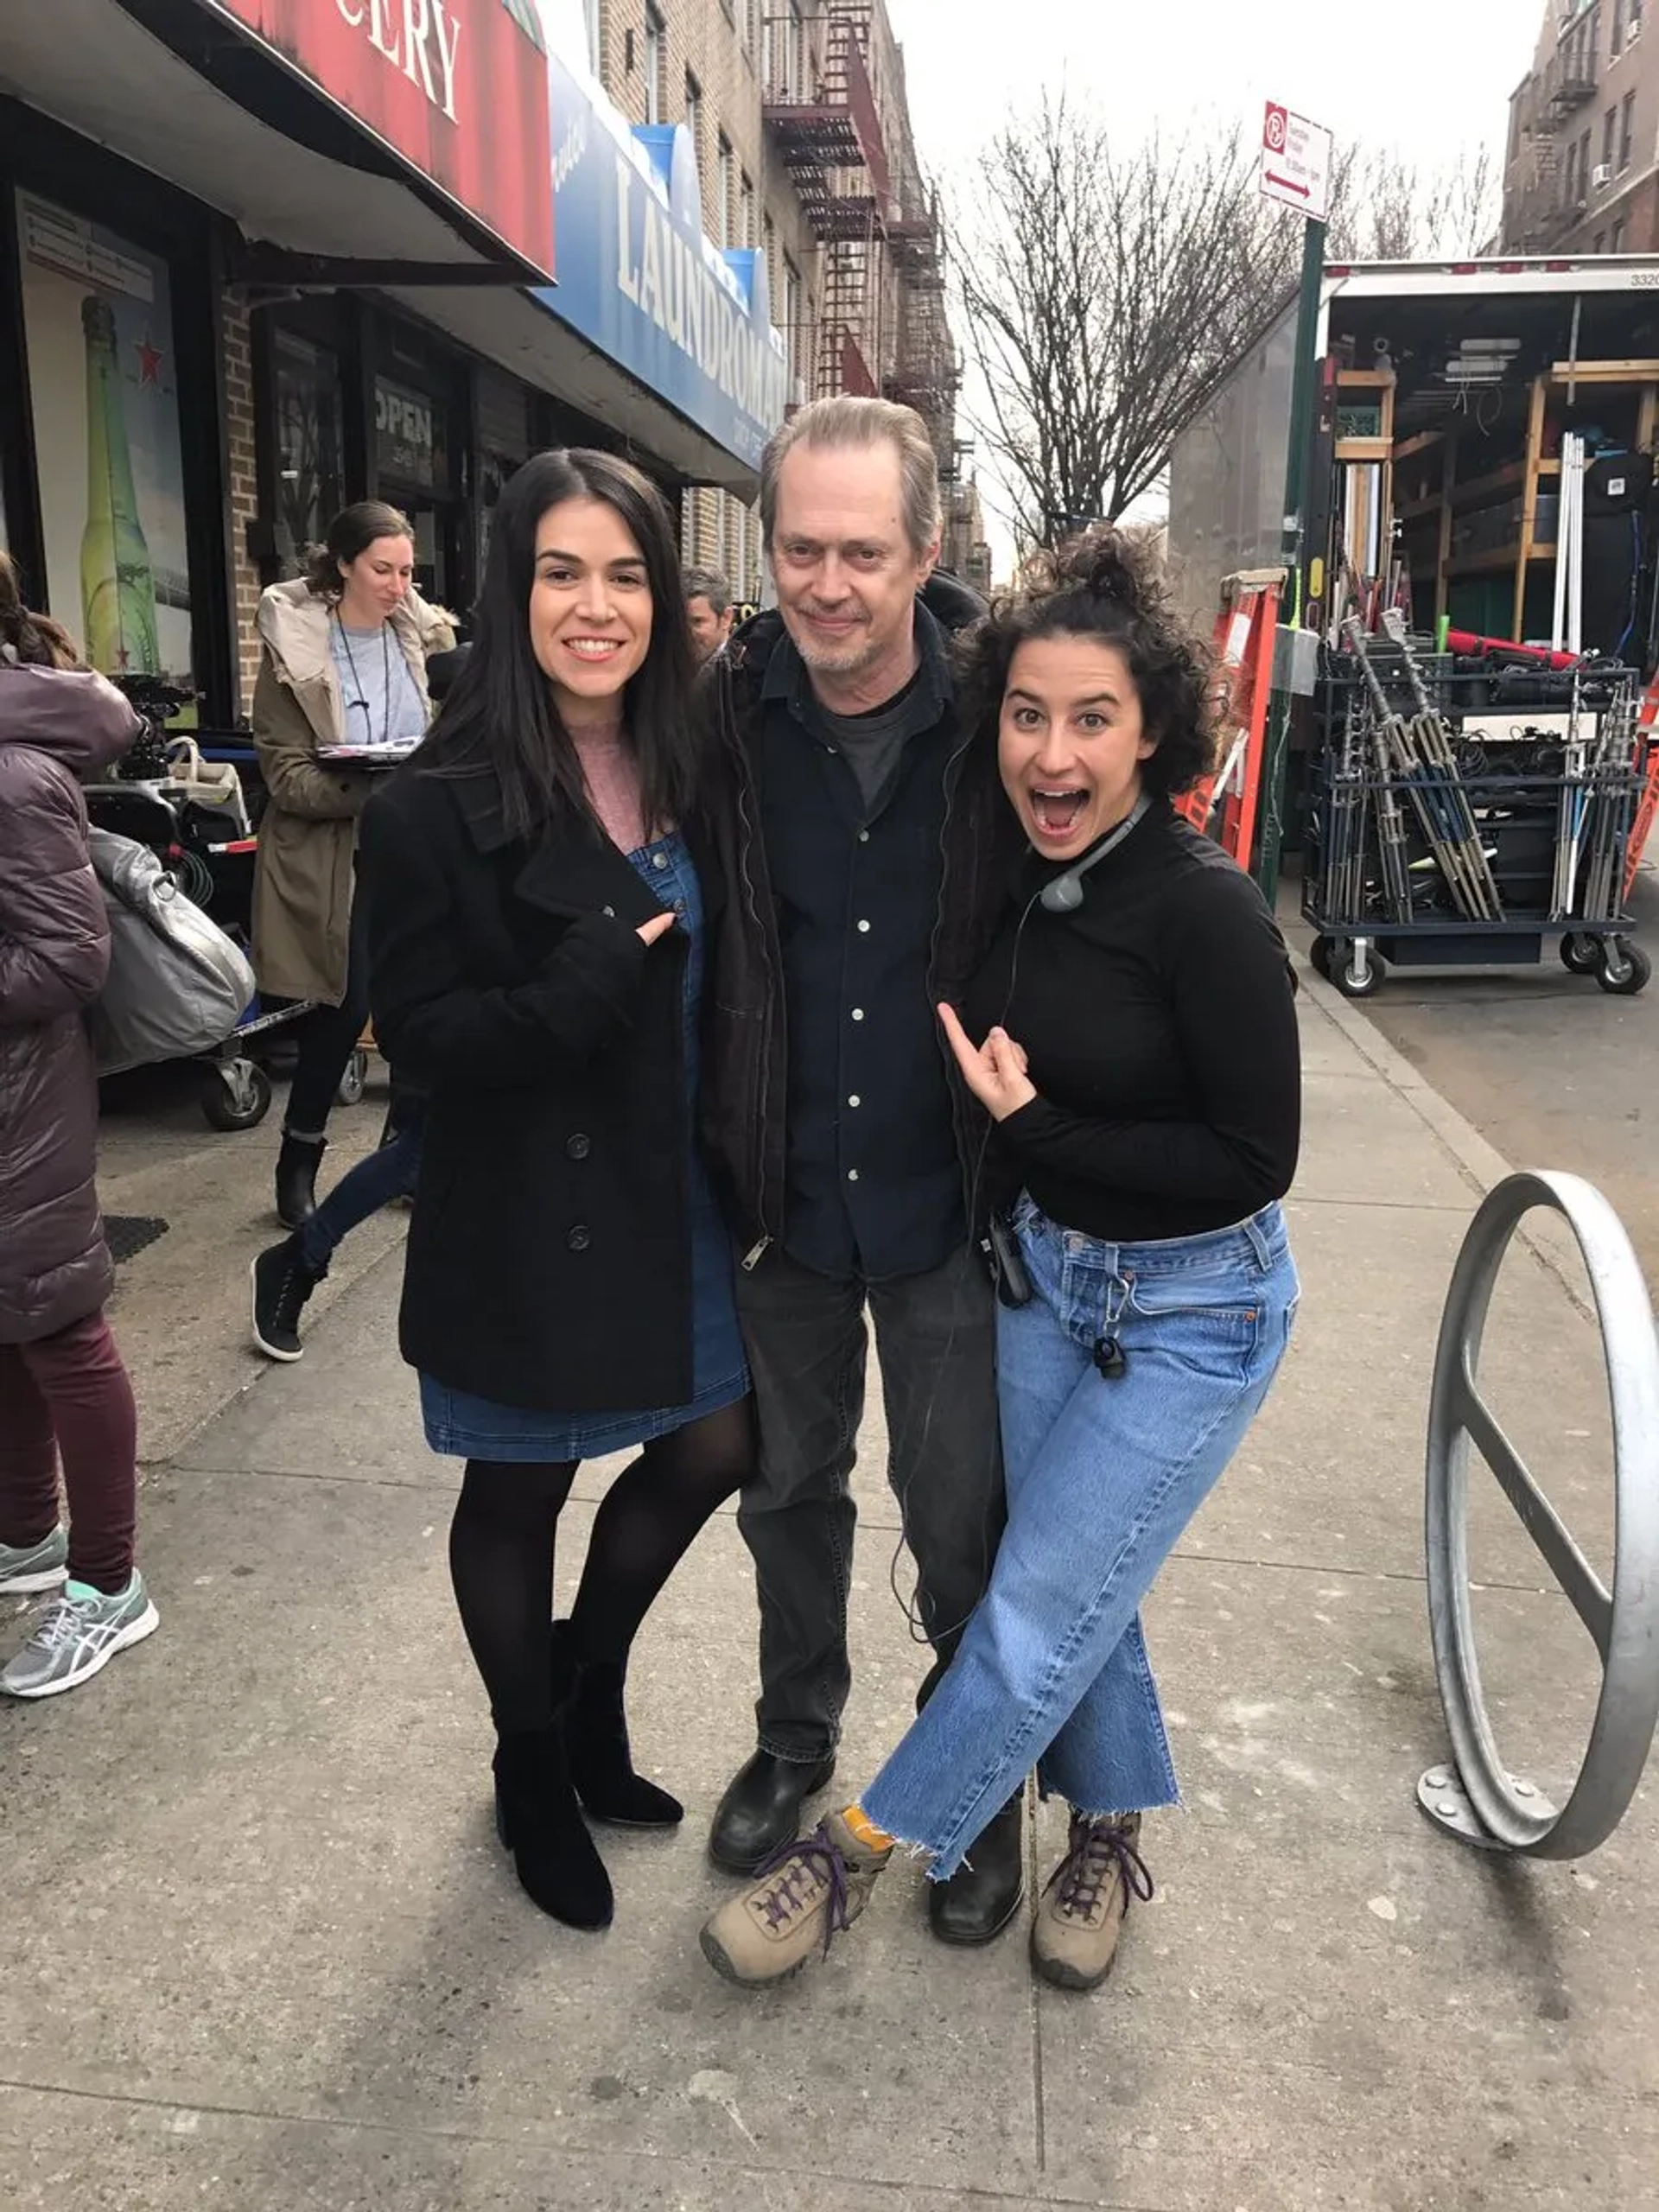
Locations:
column 1132, row 1037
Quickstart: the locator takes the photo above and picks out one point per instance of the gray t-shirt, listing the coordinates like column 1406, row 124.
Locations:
column 379, row 702
column 872, row 743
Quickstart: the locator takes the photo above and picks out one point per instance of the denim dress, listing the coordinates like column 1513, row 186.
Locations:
column 467, row 1427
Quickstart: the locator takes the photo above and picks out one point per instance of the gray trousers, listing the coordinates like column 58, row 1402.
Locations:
column 807, row 1338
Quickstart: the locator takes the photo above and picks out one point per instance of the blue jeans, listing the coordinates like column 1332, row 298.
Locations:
column 390, row 1172
column 1103, row 1474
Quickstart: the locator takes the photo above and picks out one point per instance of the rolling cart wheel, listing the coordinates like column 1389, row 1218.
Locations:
column 1358, row 980
column 236, row 1095
column 355, row 1081
column 1319, row 956
column 1624, row 969
column 1580, row 955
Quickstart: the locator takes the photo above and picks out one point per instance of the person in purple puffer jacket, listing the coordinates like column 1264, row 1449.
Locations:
column 65, row 1395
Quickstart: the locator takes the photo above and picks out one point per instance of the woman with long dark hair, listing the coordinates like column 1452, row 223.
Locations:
column 540, row 910
column 341, row 693
column 1132, row 1037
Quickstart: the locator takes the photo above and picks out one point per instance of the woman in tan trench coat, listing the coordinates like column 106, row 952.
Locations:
column 342, row 665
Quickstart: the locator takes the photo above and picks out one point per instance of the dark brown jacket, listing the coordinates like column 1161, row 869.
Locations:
column 55, row 724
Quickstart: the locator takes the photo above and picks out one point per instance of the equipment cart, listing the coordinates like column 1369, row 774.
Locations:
column 1466, row 815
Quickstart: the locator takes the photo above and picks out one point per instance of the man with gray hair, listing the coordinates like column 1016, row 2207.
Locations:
column 868, row 848
column 708, row 611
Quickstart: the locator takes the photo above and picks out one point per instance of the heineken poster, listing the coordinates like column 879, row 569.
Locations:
column 98, row 323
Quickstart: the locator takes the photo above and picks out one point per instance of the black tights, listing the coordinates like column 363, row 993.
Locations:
column 501, row 1553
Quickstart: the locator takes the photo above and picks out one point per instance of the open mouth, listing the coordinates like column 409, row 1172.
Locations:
column 1057, row 813
column 593, row 649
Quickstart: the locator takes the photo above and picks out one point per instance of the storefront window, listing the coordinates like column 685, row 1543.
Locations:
column 414, row 472
column 310, row 458
column 98, row 324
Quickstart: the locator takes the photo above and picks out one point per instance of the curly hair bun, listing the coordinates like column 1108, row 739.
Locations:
column 1111, row 563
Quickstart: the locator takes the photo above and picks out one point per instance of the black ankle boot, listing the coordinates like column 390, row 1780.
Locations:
column 297, row 1178
column 539, row 1821
column 588, row 1697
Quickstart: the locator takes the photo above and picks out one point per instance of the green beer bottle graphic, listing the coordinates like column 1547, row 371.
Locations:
column 118, row 585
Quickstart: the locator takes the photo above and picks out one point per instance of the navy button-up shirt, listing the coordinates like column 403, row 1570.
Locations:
column 874, row 1182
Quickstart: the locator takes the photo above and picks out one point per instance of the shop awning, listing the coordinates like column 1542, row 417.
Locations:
column 298, row 179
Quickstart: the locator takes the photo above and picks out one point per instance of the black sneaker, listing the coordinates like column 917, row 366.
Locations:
column 281, row 1283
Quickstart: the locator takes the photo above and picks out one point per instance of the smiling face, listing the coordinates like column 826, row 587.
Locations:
column 590, row 606
column 846, row 572
column 1070, row 741
column 375, row 585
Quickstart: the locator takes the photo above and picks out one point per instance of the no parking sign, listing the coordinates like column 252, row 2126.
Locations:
column 1296, row 161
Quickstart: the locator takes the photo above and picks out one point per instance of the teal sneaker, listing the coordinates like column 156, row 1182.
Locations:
column 34, row 1566
column 80, row 1635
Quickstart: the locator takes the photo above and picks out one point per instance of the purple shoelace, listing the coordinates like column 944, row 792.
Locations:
column 1100, row 1851
column 816, row 1853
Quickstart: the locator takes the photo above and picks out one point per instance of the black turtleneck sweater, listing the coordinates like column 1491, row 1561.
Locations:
column 1159, row 1021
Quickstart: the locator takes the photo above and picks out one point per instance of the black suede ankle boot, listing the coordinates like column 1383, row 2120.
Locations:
column 539, row 1821
column 589, row 1697
column 297, row 1178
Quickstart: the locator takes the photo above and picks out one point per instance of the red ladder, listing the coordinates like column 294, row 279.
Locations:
column 1649, row 804
column 1224, row 804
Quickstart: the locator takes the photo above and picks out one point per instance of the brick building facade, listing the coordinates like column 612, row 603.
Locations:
column 798, row 112
column 1582, row 172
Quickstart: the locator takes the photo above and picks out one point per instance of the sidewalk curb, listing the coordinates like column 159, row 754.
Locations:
column 1480, row 1164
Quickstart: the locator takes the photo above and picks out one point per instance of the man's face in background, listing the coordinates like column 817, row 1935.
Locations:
column 709, row 630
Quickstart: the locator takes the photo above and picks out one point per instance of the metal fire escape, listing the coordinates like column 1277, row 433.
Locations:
column 822, row 109
column 1546, row 213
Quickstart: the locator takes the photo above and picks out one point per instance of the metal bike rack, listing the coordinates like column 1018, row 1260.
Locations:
column 1478, row 1799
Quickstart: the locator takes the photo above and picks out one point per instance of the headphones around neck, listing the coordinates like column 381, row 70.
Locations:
column 1065, row 894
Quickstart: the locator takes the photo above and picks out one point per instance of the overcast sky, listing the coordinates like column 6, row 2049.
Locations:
column 1426, row 78
column 1420, row 74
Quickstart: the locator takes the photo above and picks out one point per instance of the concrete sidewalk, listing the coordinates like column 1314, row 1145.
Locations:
column 263, row 1952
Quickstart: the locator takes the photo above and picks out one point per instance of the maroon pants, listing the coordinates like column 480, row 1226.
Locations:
column 68, row 1398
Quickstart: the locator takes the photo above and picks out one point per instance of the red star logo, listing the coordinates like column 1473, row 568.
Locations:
column 150, row 362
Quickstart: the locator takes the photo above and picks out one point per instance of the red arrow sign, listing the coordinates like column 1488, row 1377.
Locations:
column 1288, row 183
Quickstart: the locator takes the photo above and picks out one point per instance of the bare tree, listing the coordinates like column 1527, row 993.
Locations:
column 1390, row 210
column 1106, row 292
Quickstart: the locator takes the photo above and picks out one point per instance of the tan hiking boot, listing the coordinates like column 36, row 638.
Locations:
column 813, row 1890
column 1074, row 1936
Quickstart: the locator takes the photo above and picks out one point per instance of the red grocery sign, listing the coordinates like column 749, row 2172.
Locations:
column 458, row 88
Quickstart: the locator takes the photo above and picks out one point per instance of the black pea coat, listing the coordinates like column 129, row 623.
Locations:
column 549, row 1261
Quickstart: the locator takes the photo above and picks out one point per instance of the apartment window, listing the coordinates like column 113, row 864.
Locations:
column 1584, row 164
column 1592, row 52
column 745, row 213
column 656, row 58
column 1609, row 136
column 694, row 119
column 783, row 50
column 1615, row 32
column 725, row 191
column 1635, row 18
column 1626, row 132
column 1619, row 229
column 789, row 314
column 1600, row 245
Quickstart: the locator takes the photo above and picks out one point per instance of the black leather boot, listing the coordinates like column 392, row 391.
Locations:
column 539, row 1821
column 761, row 1809
column 588, row 1695
column 980, row 1899
column 297, row 1178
